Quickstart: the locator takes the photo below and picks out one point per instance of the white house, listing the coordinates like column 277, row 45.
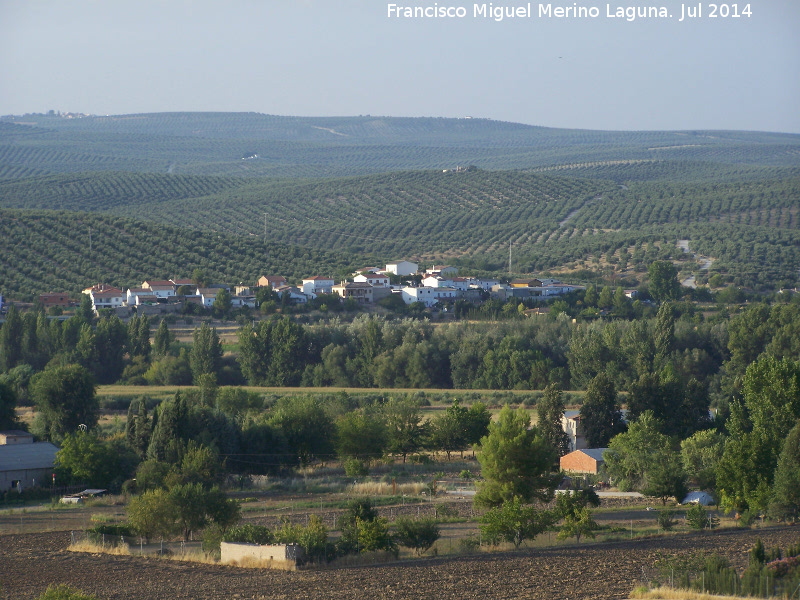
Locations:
column 375, row 280
column 402, row 267
column 318, row 285
column 484, row 284
column 443, row 270
column 438, row 281
column 207, row 296
column 432, row 281
column 133, row 293
column 446, row 294
column 295, row 295
column 151, row 284
column 426, row 295
column 163, row 291
column 557, row 289
column 572, row 426
column 241, row 300
column 105, row 296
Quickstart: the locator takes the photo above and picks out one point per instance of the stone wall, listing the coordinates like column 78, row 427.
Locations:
column 280, row 556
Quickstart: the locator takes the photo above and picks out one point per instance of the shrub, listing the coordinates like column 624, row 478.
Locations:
column 697, row 517
column 444, row 512
column 112, row 529
column 665, row 520
column 355, row 468
column 469, row 544
column 419, row 535
column 747, row 518
column 64, row 592
column 249, row 534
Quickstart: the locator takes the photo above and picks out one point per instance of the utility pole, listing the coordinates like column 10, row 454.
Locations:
column 90, row 241
column 265, row 227
column 510, row 242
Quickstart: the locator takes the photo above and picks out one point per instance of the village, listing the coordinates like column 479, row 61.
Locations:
column 438, row 286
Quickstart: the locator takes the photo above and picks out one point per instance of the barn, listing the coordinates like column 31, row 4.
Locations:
column 23, row 462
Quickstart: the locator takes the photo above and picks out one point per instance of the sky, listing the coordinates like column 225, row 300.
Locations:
column 349, row 57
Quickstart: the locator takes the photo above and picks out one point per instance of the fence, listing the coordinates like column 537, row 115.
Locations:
column 761, row 584
column 135, row 545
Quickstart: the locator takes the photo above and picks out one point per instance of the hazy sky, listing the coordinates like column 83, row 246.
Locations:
column 347, row 57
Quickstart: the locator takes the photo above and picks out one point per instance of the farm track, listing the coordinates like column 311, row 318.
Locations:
column 29, row 563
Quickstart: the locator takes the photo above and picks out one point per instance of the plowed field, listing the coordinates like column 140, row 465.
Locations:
column 28, row 563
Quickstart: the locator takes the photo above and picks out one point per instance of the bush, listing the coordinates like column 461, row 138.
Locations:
column 112, row 529
column 665, row 520
column 355, row 468
column 697, row 517
column 249, row 534
column 469, row 544
column 419, row 535
column 747, row 518
column 64, row 592
column 420, row 459
column 444, row 512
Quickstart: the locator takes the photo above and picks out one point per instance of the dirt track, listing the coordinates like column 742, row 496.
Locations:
column 28, row 563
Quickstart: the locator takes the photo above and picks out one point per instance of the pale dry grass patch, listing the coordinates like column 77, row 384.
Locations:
column 195, row 556
column 667, row 593
column 95, row 548
column 249, row 562
column 381, row 488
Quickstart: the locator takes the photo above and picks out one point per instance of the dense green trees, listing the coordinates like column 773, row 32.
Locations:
column 600, row 413
column 404, row 427
column 664, row 283
column 85, row 458
column 206, row 354
column 272, row 353
column 8, row 402
column 515, row 461
column 183, row 508
column 361, row 434
column 550, row 410
column 644, row 459
column 308, row 430
column 459, row 427
column 758, row 427
column 785, row 502
column 65, row 398
column 701, row 454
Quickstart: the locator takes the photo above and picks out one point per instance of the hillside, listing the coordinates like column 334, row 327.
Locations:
column 374, row 188
column 227, row 144
column 50, row 251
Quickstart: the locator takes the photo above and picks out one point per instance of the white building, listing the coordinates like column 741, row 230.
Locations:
column 105, row 296
column 295, row 295
column 207, row 295
column 426, row 295
column 318, row 285
column 571, row 424
column 375, row 280
column 438, row 281
column 402, row 267
column 443, row 270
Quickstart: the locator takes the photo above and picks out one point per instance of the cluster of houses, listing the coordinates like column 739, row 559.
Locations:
column 439, row 285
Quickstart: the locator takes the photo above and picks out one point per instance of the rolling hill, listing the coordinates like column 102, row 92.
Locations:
column 343, row 191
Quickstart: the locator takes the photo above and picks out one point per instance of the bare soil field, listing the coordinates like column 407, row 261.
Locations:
column 31, row 562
